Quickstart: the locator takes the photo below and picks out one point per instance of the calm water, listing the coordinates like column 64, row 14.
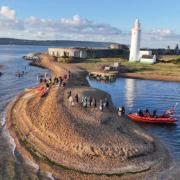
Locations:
column 134, row 94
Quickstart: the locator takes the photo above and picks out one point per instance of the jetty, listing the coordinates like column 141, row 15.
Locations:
column 103, row 75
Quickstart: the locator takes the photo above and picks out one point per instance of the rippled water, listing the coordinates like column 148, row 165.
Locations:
column 12, row 166
column 134, row 94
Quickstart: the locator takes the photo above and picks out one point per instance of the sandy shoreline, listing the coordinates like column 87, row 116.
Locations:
column 81, row 144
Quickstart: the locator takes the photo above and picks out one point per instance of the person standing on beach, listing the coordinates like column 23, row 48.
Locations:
column 60, row 80
column 63, row 84
column 65, row 77
column 47, row 86
column 77, row 98
column 90, row 101
column 85, row 102
column 93, row 103
column 121, row 111
column 71, row 100
column 50, row 81
column 69, row 74
column 105, row 103
column 68, row 94
column 101, row 105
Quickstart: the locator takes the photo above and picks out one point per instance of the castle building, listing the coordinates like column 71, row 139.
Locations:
column 114, row 50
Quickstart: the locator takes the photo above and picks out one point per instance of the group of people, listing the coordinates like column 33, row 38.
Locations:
column 87, row 101
column 147, row 113
column 60, row 81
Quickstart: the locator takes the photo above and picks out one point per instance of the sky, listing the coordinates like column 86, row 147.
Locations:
column 92, row 20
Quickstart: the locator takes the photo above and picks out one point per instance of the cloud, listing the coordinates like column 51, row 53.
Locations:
column 162, row 32
column 8, row 12
column 77, row 28
column 162, row 35
column 76, row 20
column 75, row 25
column 9, row 21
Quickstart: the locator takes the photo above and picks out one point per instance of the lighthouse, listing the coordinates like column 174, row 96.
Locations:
column 135, row 42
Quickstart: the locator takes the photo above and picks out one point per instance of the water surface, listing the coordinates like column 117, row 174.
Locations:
column 12, row 164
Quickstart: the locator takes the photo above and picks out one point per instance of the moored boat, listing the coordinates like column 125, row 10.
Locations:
column 150, row 119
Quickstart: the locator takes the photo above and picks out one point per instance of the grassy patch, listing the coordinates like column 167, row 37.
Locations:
column 169, row 58
column 172, row 69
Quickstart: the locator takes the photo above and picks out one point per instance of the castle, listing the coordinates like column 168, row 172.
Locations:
column 114, row 50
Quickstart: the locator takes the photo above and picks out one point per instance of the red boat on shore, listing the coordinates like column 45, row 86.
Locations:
column 165, row 119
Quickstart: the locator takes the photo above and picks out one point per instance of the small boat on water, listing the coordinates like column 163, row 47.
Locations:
column 165, row 118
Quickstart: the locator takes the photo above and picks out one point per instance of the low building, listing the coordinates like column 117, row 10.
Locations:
column 85, row 52
column 67, row 52
column 118, row 46
column 148, row 59
column 145, row 53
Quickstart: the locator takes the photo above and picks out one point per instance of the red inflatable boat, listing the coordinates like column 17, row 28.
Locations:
column 149, row 119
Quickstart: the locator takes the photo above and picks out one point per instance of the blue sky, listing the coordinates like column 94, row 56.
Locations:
column 97, row 20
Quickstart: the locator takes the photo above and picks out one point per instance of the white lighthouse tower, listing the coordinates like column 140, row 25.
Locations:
column 135, row 42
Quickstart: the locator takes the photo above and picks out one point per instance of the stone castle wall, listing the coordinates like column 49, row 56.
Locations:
column 84, row 52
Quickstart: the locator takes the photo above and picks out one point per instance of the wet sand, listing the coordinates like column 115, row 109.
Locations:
column 78, row 143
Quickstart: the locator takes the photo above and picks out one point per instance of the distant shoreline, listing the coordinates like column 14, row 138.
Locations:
column 62, row 43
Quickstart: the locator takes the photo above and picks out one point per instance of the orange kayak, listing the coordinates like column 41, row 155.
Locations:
column 38, row 89
column 149, row 119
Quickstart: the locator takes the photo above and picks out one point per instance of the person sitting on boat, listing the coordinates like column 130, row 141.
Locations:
column 155, row 113
column 168, row 113
column 147, row 113
column 140, row 112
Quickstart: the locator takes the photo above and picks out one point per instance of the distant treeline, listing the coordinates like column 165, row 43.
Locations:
column 61, row 43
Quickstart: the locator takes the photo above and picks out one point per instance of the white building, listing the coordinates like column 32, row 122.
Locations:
column 145, row 59
column 135, row 42
column 136, row 55
column 145, row 53
column 68, row 52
